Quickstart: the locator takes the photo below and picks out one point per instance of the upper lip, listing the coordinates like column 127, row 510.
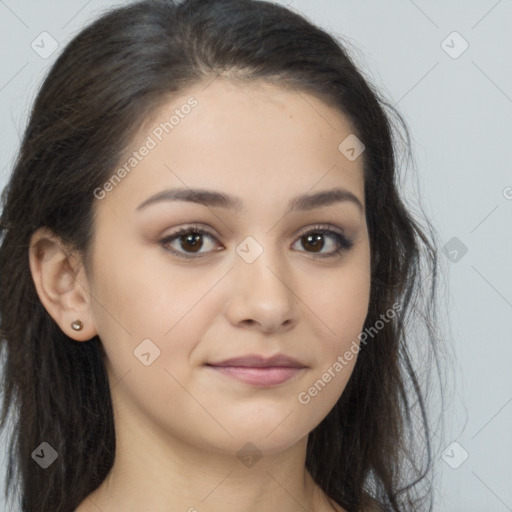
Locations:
column 255, row 360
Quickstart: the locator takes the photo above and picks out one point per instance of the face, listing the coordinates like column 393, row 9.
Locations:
column 263, row 265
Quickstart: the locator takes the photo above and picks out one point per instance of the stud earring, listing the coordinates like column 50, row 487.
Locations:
column 77, row 325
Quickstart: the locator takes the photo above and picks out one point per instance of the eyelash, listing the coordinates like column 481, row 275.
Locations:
column 343, row 243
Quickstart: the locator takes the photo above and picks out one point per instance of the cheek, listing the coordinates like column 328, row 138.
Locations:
column 338, row 355
column 341, row 303
column 340, row 309
column 143, row 295
column 138, row 300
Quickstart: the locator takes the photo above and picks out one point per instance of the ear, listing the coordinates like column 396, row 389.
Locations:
column 61, row 283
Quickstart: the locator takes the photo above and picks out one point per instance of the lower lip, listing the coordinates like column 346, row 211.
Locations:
column 257, row 376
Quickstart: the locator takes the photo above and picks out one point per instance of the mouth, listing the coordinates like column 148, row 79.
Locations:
column 259, row 371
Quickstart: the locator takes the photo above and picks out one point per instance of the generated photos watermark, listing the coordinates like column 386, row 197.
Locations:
column 342, row 361
column 157, row 135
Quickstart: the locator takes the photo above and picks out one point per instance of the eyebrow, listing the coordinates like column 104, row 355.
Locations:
column 215, row 199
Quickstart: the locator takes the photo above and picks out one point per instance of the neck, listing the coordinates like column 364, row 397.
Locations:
column 154, row 471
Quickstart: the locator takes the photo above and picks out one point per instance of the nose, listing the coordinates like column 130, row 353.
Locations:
column 262, row 295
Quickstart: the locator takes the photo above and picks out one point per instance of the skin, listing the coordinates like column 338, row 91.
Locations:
column 180, row 424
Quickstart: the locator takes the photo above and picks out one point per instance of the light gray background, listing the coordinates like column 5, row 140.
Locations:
column 459, row 111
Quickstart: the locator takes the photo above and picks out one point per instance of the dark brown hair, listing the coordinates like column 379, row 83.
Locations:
column 110, row 78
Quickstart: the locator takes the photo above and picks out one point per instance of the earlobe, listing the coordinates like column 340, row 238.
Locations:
column 61, row 285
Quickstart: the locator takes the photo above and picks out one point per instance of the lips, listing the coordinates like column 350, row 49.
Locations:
column 259, row 371
column 257, row 361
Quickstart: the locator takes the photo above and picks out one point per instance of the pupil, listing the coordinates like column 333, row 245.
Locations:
column 193, row 240
column 315, row 241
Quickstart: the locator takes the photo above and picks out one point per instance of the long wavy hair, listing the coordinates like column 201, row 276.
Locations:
column 111, row 77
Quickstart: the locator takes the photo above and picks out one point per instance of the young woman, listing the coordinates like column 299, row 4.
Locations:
column 209, row 276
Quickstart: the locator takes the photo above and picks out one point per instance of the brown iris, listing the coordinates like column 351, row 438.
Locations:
column 315, row 240
column 193, row 241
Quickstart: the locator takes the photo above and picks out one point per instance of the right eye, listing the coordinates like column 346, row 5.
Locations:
column 189, row 239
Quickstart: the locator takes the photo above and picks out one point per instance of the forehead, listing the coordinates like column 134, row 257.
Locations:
column 258, row 139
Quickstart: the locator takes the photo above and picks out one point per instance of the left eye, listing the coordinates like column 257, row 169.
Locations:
column 190, row 241
column 315, row 239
